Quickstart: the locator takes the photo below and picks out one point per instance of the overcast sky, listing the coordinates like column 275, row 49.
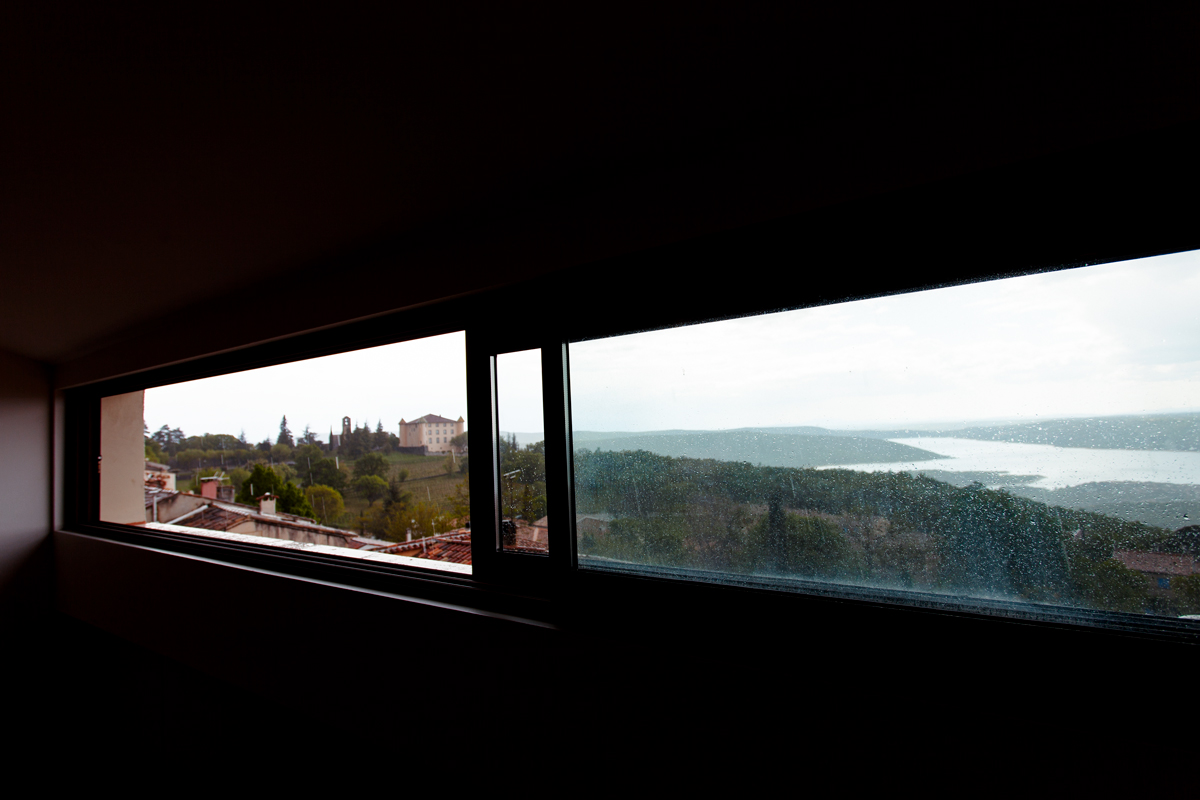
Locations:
column 1113, row 339
column 409, row 379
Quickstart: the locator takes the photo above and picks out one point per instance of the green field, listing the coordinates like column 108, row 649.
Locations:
column 427, row 480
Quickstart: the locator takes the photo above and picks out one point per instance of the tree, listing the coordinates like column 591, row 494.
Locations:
column 397, row 524
column 1187, row 592
column 427, row 519
column 371, row 487
column 281, row 453
column 190, row 458
column 397, row 496
column 530, row 462
column 790, row 544
column 380, row 440
column 293, row 501
column 527, row 505
column 238, row 476
column 326, row 502
column 1107, row 584
column 461, row 502
column 309, row 437
column 358, row 443
column 264, row 480
column 448, row 465
column 169, row 440
column 460, row 441
column 261, row 480
column 285, row 435
column 306, row 452
column 371, row 464
column 322, row 472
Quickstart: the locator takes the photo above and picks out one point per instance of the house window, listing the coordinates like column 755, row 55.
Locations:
column 254, row 456
column 994, row 443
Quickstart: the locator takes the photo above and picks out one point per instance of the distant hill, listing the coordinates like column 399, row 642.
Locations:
column 584, row 437
column 1167, row 505
column 1157, row 432
column 992, row 479
column 1148, row 432
column 767, row 449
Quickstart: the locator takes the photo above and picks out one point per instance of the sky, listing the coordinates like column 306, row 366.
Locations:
column 404, row 380
column 1118, row 338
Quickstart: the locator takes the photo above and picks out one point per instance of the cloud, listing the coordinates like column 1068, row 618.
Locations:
column 1109, row 339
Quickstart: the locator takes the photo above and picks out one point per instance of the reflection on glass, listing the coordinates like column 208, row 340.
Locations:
column 340, row 453
column 1035, row 439
column 522, row 447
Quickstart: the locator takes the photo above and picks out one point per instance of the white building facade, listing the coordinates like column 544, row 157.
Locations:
column 432, row 432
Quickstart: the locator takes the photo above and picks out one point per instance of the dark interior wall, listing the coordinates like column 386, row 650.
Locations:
column 312, row 649
column 25, row 483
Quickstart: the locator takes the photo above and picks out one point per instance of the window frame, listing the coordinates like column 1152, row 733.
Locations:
column 553, row 590
column 81, row 484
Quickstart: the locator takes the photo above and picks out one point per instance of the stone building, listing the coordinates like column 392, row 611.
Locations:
column 335, row 439
column 431, row 432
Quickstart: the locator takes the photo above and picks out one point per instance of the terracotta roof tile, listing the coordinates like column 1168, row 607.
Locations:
column 1158, row 563
column 453, row 547
column 214, row 518
column 429, row 418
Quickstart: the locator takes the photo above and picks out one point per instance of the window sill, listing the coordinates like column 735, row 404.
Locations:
column 449, row 586
column 338, row 552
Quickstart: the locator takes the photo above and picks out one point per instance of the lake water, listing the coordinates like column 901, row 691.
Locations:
column 1058, row 466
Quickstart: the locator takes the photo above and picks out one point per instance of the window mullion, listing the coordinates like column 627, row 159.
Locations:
column 559, row 477
column 485, row 500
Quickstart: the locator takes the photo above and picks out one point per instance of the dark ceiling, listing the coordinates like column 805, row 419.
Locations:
column 160, row 162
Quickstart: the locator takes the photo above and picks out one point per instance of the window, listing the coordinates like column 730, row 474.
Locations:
column 270, row 456
column 521, row 449
column 1028, row 442
column 965, row 448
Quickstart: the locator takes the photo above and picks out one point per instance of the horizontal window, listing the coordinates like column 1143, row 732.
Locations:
column 1031, row 441
column 324, row 455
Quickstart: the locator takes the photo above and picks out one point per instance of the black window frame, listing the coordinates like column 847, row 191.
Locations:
column 591, row 301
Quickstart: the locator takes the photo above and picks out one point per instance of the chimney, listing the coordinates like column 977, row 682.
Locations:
column 266, row 503
column 208, row 487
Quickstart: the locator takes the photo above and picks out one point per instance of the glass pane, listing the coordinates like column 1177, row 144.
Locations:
column 522, row 446
column 324, row 453
column 1034, row 439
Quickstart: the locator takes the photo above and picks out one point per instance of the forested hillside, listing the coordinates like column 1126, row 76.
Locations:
column 768, row 449
column 883, row 529
column 1148, row 432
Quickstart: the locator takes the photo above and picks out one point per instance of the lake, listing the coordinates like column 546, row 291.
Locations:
column 1058, row 466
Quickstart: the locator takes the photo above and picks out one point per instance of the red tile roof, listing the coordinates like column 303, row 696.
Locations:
column 1158, row 563
column 529, row 545
column 214, row 518
column 428, row 418
column 453, row 547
